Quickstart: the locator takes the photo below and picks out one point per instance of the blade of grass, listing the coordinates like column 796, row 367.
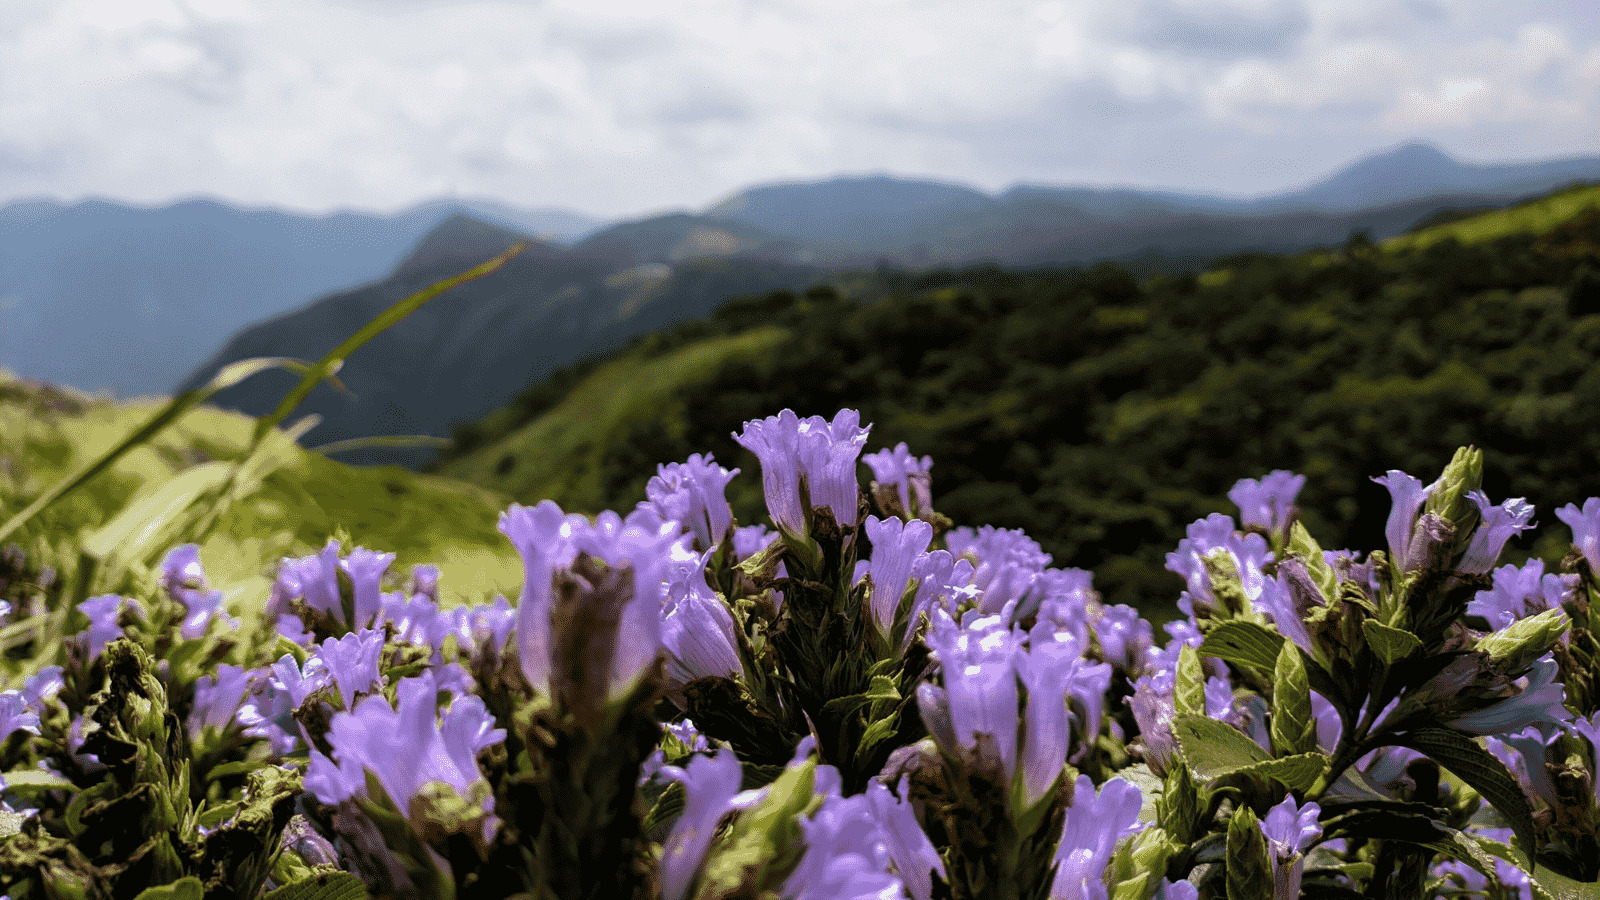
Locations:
column 223, row 494
column 381, row 442
column 228, row 377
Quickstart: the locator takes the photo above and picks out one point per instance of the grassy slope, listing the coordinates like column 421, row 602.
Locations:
column 1534, row 217
column 560, row 454
column 44, row 434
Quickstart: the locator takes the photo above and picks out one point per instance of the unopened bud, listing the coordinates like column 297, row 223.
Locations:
column 1449, row 499
column 1525, row 640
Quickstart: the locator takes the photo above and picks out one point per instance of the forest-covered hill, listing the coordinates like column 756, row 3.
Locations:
column 1102, row 413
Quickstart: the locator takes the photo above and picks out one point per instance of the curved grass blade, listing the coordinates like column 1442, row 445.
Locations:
column 381, row 442
column 229, row 376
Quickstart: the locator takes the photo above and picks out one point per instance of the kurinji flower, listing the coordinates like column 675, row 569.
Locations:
column 352, row 663
column 105, row 621
column 1124, row 636
column 1521, row 592
column 365, row 569
column 1248, row 552
column 478, row 630
column 1524, row 755
column 315, row 579
column 914, row 857
column 1407, row 496
column 1290, row 830
column 616, row 622
column 1539, row 702
column 1153, row 709
column 693, row 494
column 1093, row 824
column 405, row 746
column 1008, row 563
column 425, row 581
column 1589, row 730
column 823, row 453
column 896, row 548
column 217, row 699
column 697, row 630
column 1048, row 670
column 1499, row 524
column 748, row 540
column 979, row 696
column 1277, row 600
column 907, row 474
column 1266, row 504
column 1585, row 525
column 15, row 715
column 845, row 856
column 185, row 579
column 710, row 791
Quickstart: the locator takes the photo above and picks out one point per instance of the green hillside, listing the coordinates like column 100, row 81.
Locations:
column 45, row 433
column 1103, row 414
column 1534, row 217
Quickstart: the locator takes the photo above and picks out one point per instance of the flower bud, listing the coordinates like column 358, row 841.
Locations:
column 1525, row 640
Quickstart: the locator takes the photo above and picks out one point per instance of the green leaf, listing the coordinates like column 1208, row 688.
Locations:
column 145, row 521
column 1190, row 692
column 1560, row 887
column 188, row 888
column 1213, row 749
column 1422, row 830
column 1465, row 759
column 1249, row 866
column 1293, row 727
column 1244, row 643
column 1391, row 644
column 327, row 886
column 1303, row 545
column 25, row 781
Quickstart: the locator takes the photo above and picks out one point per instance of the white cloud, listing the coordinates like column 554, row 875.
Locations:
column 620, row 108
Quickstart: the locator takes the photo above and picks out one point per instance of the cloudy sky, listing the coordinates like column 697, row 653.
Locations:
column 622, row 108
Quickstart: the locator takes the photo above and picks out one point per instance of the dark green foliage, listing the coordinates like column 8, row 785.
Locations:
column 1103, row 415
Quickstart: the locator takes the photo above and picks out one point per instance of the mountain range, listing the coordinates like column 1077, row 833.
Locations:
column 106, row 297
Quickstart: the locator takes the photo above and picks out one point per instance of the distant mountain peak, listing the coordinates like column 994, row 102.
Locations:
column 460, row 240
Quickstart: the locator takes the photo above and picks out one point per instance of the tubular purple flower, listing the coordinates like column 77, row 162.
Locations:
column 646, row 553
column 1585, row 525
column 1266, row 504
column 845, row 856
column 1008, row 563
column 1589, row 730
column 1177, row 890
column 1521, row 592
column 1278, row 601
column 1153, row 709
column 365, row 569
column 105, row 625
column 352, row 663
column 693, row 493
column 1540, row 702
column 908, row 474
column 1407, row 496
column 1498, row 525
column 313, row 578
column 1047, row 671
column 15, row 715
column 913, row 855
column 980, row 679
column 897, row 546
column 711, row 791
column 217, row 699
column 405, row 746
column 1524, row 755
column 1249, row 554
column 824, row 453
column 42, row 686
column 425, row 581
column 698, row 631
column 1124, row 636
column 1093, row 824
column 1290, row 830
column 543, row 537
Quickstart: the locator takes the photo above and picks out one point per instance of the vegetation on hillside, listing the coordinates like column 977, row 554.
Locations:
column 1103, row 414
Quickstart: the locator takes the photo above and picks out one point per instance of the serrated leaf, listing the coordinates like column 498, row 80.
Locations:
column 1213, row 749
column 1560, row 887
column 327, row 886
column 26, row 780
column 1244, row 644
column 1189, row 693
column 1463, row 758
column 1298, row 772
column 1303, row 545
column 1391, row 644
column 1293, row 727
column 188, row 888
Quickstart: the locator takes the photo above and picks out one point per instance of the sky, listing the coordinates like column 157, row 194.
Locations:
column 621, row 109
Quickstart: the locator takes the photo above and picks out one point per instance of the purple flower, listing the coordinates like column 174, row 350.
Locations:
column 425, row 581
column 1176, row 890
column 1248, row 552
column 1124, row 636
column 1328, row 724
column 105, row 621
column 822, row 453
column 413, row 618
column 697, row 630
column 845, row 856
column 751, row 539
column 896, row 548
column 908, row 474
column 1277, row 599
column 1093, row 825
column 352, row 663
column 1521, row 592
column 979, row 696
column 693, row 494
column 1267, row 504
column 711, row 791
column 15, row 715
column 1008, row 563
column 1498, row 525
column 1407, row 495
column 478, row 630
column 1541, row 701
column 1290, row 831
column 405, row 746
column 550, row 542
column 1524, row 755
column 217, row 699
column 1585, row 525
column 185, row 580
column 1154, row 708
column 913, row 855
column 365, row 569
